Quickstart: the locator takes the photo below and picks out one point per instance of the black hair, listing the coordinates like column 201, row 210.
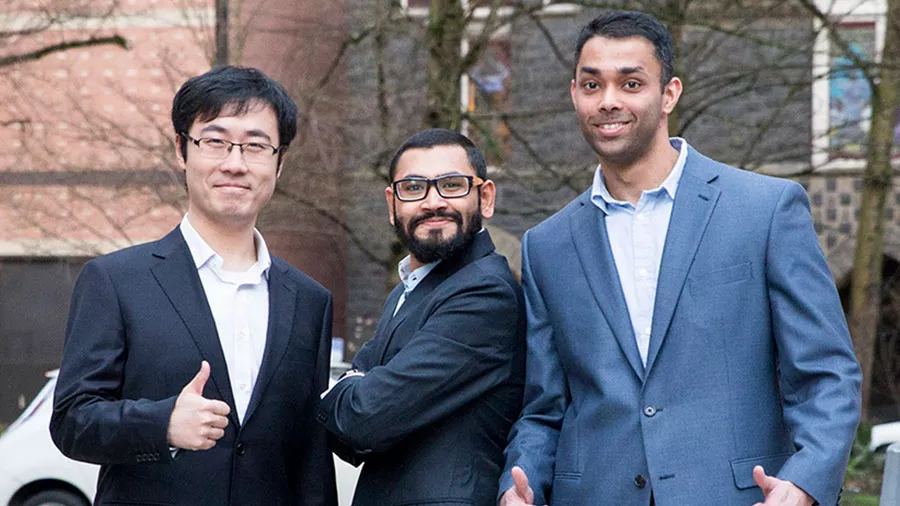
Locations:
column 238, row 89
column 625, row 24
column 442, row 137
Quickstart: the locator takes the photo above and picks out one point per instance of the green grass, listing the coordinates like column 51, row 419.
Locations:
column 859, row 500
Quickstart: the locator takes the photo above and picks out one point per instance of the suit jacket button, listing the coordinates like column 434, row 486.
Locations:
column 649, row 411
column 240, row 448
column 321, row 416
column 640, row 481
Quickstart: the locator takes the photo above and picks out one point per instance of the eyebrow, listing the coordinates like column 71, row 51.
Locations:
column 255, row 132
column 622, row 70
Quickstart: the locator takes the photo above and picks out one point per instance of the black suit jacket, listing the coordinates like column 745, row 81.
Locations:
column 443, row 385
column 139, row 326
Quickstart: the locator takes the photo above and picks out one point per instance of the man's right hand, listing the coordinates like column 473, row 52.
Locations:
column 520, row 494
column 197, row 423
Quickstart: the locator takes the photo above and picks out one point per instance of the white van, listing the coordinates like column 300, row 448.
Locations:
column 34, row 473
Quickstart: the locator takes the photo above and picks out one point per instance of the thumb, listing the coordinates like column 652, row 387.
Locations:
column 521, row 481
column 762, row 480
column 196, row 385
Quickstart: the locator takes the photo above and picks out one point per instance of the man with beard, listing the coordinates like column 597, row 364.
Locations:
column 431, row 397
column 686, row 344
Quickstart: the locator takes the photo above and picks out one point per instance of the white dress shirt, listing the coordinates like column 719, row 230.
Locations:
column 239, row 302
column 637, row 235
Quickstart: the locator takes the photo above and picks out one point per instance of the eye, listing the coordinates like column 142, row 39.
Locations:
column 214, row 143
column 632, row 85
column 255, row 147
column 413, row 186
column 451, row 184
column 590, row 85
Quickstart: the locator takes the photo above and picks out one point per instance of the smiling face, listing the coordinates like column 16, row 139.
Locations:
column 621, row 110
column 435, row 227
column 229, row 193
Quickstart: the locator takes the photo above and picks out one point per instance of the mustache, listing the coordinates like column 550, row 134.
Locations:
column 450, row 214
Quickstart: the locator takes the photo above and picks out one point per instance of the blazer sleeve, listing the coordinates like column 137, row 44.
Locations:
column 90, row 421
column 534, row 436
column 315, row 481
column 464, row 349
column 820, row 376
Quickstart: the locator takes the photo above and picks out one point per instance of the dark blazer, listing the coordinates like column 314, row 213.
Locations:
column 443, row 385
column 139, row 326
column 750, row 361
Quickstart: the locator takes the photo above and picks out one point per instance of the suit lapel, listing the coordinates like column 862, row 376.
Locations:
column 481, row 246
column 282, row 301
column 588, row 229
column 693, row 206
column 177, row 276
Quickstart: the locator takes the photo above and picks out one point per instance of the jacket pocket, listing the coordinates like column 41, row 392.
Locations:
column 720, row 277
column 743, row 468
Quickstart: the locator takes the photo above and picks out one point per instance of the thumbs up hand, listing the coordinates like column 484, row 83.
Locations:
column 197, row 423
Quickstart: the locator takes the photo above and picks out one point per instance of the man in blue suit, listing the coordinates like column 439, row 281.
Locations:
column 686, row 344
column 192, row 364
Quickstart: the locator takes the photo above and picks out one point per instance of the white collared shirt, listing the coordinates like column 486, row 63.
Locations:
column 239, row 302
column 637, row 235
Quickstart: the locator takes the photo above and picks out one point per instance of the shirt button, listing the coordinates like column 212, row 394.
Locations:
column 243, row 387
column 643, row 272
column 649, row 411
column 640, row 481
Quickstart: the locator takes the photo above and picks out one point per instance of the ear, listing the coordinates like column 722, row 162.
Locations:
column 572, row 92
column 179, row 141
column 488, row 198
column 671, row 94
column 389, row 197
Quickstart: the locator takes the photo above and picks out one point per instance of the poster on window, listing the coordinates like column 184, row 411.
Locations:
column 850, row 110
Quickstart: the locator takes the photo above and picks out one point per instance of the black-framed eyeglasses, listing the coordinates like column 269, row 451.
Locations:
column 451, row 186
column 219, row 149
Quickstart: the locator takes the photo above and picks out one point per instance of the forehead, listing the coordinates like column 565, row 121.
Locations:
column 257, row 119
column 608, row 54
column 434, row 161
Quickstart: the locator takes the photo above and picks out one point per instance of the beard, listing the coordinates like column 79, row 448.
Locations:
column 434, row 248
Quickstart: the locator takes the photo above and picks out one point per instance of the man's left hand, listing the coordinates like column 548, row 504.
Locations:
column 779, row 492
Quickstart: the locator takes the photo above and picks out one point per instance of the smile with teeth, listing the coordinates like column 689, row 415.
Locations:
column 610, row 126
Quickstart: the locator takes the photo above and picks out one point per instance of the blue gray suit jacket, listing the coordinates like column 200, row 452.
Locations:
column 139, row 326
column 750, row 361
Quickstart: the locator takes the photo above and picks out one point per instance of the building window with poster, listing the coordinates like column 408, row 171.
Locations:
column 842, row 97
column 487, row 97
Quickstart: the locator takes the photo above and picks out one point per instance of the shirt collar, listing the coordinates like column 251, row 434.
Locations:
column 411, row 278
column 601, row 197
column 203, row 254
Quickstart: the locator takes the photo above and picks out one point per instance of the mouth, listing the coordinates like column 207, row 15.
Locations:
column 232, row 186
column 610, row 129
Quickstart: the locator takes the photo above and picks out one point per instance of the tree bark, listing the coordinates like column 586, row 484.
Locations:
column 865, row 292
column 221, row 57
column 446, row 27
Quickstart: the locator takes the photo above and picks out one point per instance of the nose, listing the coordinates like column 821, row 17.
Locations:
column 609, row 99
column 433, row 199
column 234, row 162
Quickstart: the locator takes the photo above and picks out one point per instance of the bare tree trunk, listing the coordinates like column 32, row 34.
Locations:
column 446, row 27
column 221, row 57
column 865, row 295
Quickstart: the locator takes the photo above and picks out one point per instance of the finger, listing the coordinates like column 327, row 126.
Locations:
column 219, row 408
column 215, row 434
column 199, row 381
column 762, row 481
column 521, row 481
column 218, row 422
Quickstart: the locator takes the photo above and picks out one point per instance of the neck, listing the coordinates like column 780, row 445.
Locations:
column 235, row 244
column 628, row 181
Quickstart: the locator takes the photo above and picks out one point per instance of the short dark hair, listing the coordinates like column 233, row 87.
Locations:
column 442, row 137
column 203, row 97
column 625, row 24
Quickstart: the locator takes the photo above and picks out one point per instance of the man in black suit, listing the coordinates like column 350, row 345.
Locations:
column 432, row 395
column 193, row 364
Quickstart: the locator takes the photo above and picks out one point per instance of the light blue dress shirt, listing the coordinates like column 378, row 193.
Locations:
column 411, row 278
column 637, row 235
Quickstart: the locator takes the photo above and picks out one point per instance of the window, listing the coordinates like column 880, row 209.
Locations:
column 842, row 109
column 486, row 94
